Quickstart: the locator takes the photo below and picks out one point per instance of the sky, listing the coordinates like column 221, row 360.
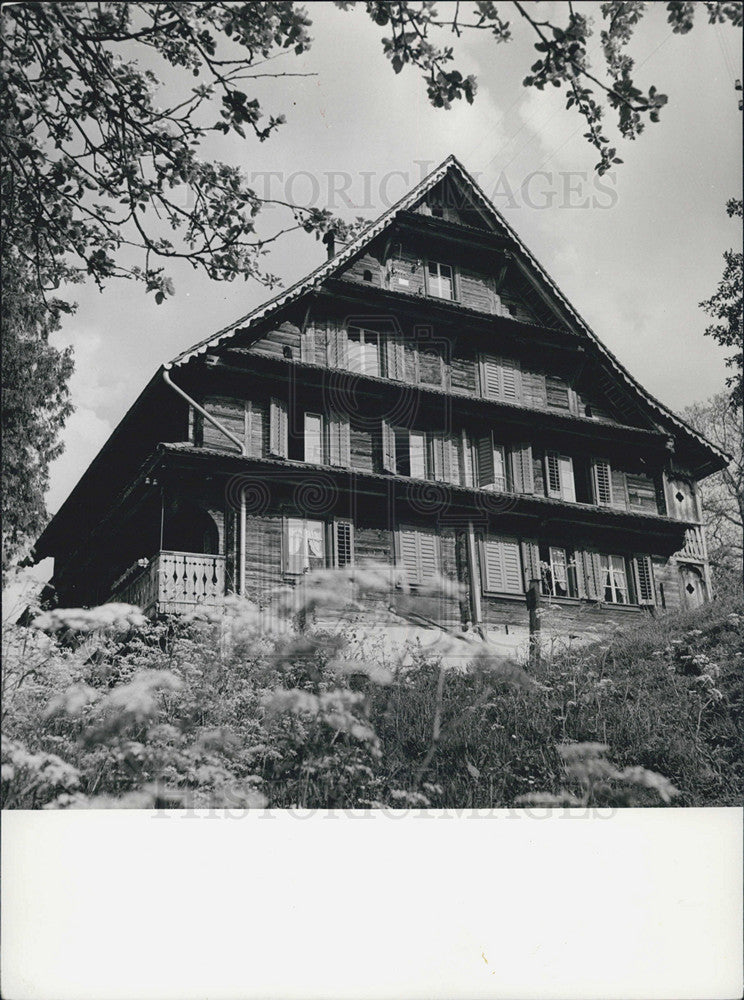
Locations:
column 635, row 257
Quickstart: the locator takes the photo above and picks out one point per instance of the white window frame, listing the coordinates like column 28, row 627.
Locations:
column 566, row 489
column 364, row 367
column 288, row 525
column 431, row 280
column 610, row 565
column 560, row 564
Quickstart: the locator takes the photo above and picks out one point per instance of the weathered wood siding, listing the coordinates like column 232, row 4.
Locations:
column 273, row 343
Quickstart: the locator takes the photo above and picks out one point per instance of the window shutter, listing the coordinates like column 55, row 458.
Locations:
column 453, row 445
column 492, row 566
column 590, row 574
column 338, row 347
column 644, row 579
column 409, row 553
column 602, row 483
column 511, row 382
column 530, row 562
column 523, row 479
column 307, row 344
column 278, row 428
column 501, row 566
column 467, row 459
column 339, row 439
column 578, row 566
column 443, row 463
column 490, row 377
column 557, row 393
column 394, row 357
column 418, row 554
column 486, row 473
column 388, row 447
column 553, row 474
column 501, row 378
column 427, row 543
column 344, row 543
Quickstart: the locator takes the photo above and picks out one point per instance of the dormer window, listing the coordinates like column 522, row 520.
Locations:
column 440, row 280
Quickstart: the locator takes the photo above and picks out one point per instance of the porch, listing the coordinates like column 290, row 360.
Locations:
column 171, row 582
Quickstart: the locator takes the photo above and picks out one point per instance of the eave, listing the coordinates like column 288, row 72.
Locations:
column 667, row 533
column 550, row 422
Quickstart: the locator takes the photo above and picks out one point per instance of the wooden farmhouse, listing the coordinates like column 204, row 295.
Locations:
column 427, row 399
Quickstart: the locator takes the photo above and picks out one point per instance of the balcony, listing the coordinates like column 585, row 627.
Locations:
column 172, row 582
column 694, row 548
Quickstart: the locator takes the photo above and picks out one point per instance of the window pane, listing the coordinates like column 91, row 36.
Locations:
column 445, row 281
column 499, row 465
column 355, row 350
column 314, row 438
column 295, row 546
column 418, row 454
column 315, row 544
column 371, row 353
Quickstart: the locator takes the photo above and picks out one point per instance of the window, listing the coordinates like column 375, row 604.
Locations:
column 440, row 280
column 558, row 572
column 559, row 476
column 418, row 553
column 363, row 351
column 343, row 543
column 304, row 545
column 501, row 378
column 501, row 567
column 422, row 454
column 614, row 579
column 314, row 450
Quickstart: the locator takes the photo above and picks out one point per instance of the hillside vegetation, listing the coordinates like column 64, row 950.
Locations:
column 104, row 709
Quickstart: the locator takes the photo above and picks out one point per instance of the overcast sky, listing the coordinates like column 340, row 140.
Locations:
column 635, row 259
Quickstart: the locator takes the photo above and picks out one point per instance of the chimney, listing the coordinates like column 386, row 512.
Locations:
column 330, row 241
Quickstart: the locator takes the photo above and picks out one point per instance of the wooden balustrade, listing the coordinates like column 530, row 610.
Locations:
column 694, row 547
column 172, row 582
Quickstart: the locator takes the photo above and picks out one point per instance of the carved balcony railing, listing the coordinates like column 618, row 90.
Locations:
column 694, row 548
column 172, row 582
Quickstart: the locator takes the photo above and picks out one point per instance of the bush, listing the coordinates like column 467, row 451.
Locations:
column 234, row 708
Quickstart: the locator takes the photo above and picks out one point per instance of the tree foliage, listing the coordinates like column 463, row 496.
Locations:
column 726, row 306
column 35, row 404
column 723, row 493
column 563, row 54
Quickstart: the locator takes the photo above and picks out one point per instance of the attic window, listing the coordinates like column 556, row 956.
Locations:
column 367, row 275
column 680, row 496
column 690, row 589
column 512, row 309
column 588, row 411
column 437, row 211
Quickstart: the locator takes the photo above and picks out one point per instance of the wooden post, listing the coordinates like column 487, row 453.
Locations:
column 533, row 606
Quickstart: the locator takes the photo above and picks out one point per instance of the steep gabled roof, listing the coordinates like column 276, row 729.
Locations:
column 454, row 169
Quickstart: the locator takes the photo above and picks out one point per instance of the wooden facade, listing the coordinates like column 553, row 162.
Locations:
column 426, row 400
